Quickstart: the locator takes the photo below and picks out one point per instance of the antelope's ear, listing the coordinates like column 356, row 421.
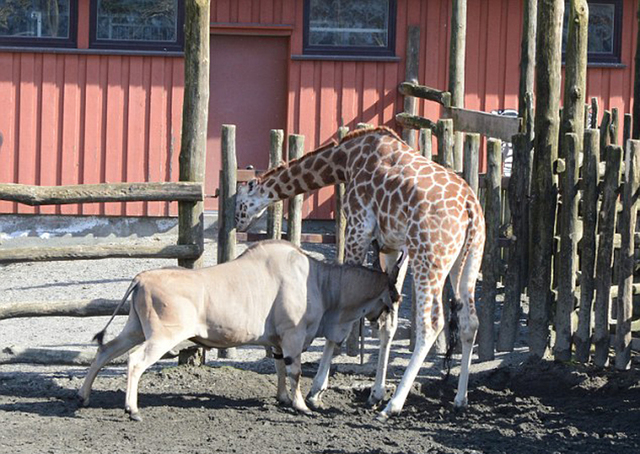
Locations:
column 376, row 255
column 252, row 184
column 393, row 275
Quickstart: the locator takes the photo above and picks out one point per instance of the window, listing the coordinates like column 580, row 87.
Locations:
column 38, row 23
column 605, row 31
column 137, row 24
column 349, row 27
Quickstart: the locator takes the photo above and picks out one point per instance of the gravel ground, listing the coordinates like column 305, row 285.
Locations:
column 230, row 406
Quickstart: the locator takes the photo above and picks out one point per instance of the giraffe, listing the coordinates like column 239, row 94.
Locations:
column 407, row 203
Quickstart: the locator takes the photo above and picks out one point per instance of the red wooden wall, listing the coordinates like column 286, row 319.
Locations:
column 81, row 118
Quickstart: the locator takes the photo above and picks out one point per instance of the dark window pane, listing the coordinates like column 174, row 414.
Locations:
column 34, row 19
column 601, row 27
column 137, row 20
column 604, row 38
column 349, row 23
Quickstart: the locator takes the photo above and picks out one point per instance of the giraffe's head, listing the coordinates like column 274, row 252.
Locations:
column 251, row 201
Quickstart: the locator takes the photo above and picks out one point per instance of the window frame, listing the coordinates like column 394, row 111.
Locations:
column 350, row 51
column 133, row 45
column 34, row 42
column 615, row 57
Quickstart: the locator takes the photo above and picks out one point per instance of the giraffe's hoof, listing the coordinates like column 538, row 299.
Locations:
column 374, row 402
column 314, row 403
column 460, row 404
column 382, row 417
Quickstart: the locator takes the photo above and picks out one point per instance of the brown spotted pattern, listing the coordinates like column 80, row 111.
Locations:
column 405, row 201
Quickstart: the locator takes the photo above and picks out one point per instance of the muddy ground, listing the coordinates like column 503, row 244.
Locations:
column 516, row 406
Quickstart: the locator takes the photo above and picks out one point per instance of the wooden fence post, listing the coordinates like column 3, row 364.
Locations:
column 544, row 186
column 568, row 263
column 227, row 206
column 341, row 219
column 470, row 170
column 636, row 88
column 490, row 273
column 445, row 143
column 195, row 115
column 425, row 143
column 590, row 183
column 294, row 230
column 274, row 213
column 412, row 65
column 527, row 55
column 457, row 54
column 517, row 269
column 604, row 261
column 594, row 114
column 628, row 219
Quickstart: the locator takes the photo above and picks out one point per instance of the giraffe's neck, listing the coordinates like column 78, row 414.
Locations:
column 323, row 167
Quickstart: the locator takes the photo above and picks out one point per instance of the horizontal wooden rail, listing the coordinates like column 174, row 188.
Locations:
column 48, row 254
column 315, row 238
column 105, row 192
column 69, row 308
column 417, row 122
column 421, row 91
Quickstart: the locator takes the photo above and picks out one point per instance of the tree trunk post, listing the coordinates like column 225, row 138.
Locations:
column 195, row 115
column 227, row 207
column 544, row 185
column 591, row 181
column 425, row 143
column 527, row 54
column 445, row 143
column 274, row 213
column 457, row 53
column 636, row 86
column 626, row 263
column 567, row 259
column 490, row 273
column 412, row 65
column 470, row 170
column 294, row 230
column 604, row 260
column 341, row 219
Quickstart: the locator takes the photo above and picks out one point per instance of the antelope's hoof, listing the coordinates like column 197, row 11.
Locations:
column 315, row 404
column 135, row 416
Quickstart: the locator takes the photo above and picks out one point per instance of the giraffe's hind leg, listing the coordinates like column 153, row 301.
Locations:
column 463, row 279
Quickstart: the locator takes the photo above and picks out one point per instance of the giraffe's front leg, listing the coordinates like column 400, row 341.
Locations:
column 387, row 329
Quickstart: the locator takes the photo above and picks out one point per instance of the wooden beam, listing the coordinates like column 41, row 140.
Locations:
column 67, row 308
column 185, row 191
column 424, row 92
column 48, row 254
column 487, row 124
column 416, row 122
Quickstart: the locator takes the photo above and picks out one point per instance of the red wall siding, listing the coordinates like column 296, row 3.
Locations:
column 93, row 118
column 73, row 119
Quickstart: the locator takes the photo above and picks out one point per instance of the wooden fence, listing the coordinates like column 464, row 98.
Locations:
column 595, row 223
column 189, row 192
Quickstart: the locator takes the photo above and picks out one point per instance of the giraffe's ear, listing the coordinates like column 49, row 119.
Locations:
column 252, row 184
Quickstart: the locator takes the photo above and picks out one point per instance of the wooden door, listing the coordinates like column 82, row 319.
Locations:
column 248, row 88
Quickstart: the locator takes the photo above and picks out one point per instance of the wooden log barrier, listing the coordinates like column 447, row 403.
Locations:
column 69, row 308
column 341, row 219
column 626, row 262
column 274, row 212
column 567, row 263
column 227, row 207
column 582, row 337
column 294, row 226
column 604, row 261
column 490, row 273
column 412, row 64
column 183, row 191
column 107, row 251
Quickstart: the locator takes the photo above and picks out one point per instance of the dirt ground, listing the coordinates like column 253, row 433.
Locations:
column 516, row 406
